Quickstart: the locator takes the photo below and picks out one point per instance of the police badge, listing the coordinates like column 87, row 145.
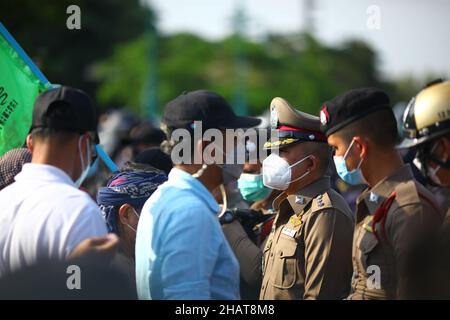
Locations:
column 324, row 116
column 273, row 117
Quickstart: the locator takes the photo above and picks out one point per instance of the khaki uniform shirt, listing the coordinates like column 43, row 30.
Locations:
column 380, row 250
column 308, row 253
column 442, row 196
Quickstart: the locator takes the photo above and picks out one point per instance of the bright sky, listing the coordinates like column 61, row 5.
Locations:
column 414, row 35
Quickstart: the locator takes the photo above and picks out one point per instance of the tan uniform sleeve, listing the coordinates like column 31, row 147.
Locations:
column 402, row 227
column 328, row 249
column 247, row 253
column 407, row 228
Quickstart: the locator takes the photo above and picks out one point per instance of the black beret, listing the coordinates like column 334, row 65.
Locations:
column 350, row 107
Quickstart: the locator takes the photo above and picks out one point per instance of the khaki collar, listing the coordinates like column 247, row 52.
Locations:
column 373, row 197
column 304, row 196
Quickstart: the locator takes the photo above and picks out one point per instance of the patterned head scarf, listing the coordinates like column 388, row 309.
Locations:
column 128, row 187
column 11, row 164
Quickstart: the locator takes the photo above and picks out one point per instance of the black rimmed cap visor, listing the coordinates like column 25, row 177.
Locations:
column 289, row 138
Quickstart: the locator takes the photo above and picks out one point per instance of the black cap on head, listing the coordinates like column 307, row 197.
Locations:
column 76, row 111
column 155, row 157
column 350, row 107
column 146, row 133
column 205, row 106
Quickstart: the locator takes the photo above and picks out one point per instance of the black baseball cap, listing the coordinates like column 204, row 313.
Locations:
column 205, row 106
column 350, row 107
column 77, row 112
column 156, row 158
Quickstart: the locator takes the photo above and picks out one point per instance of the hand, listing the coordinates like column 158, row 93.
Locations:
column 95, row 248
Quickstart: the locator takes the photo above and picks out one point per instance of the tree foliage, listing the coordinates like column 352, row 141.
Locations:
column 296, row 67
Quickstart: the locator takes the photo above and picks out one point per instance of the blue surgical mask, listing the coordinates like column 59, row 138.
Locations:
column 353, row 177
column 252, row 188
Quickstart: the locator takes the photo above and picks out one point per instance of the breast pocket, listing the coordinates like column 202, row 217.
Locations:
column 285, row 264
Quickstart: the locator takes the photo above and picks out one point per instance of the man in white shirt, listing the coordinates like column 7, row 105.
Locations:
column 44, row 214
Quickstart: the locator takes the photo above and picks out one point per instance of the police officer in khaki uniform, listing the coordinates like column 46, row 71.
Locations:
column 395, row 213
column 308, row 252
column 426, row 126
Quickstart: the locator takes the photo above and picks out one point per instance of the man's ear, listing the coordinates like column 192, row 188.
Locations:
column 123, row 213
column 361, row 144
column 84, row 142
column 198, row 151
column 29, row 142
column 206, row 155
column 315, row 162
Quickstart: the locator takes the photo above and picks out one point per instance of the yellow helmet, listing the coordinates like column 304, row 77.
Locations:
column 427, row 115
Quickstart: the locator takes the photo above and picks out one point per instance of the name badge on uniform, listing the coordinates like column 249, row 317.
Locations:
column 289, row 232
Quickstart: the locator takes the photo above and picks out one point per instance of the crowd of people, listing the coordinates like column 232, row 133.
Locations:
column 183, row 218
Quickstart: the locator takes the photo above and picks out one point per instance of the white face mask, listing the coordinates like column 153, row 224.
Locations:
column 134, row 229
column 432, row 172
column 277, row 172
column 84, row 165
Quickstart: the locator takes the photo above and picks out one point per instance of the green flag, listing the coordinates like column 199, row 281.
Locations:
column 20, row 83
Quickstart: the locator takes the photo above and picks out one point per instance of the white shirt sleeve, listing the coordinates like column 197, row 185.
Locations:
column 87, row 222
